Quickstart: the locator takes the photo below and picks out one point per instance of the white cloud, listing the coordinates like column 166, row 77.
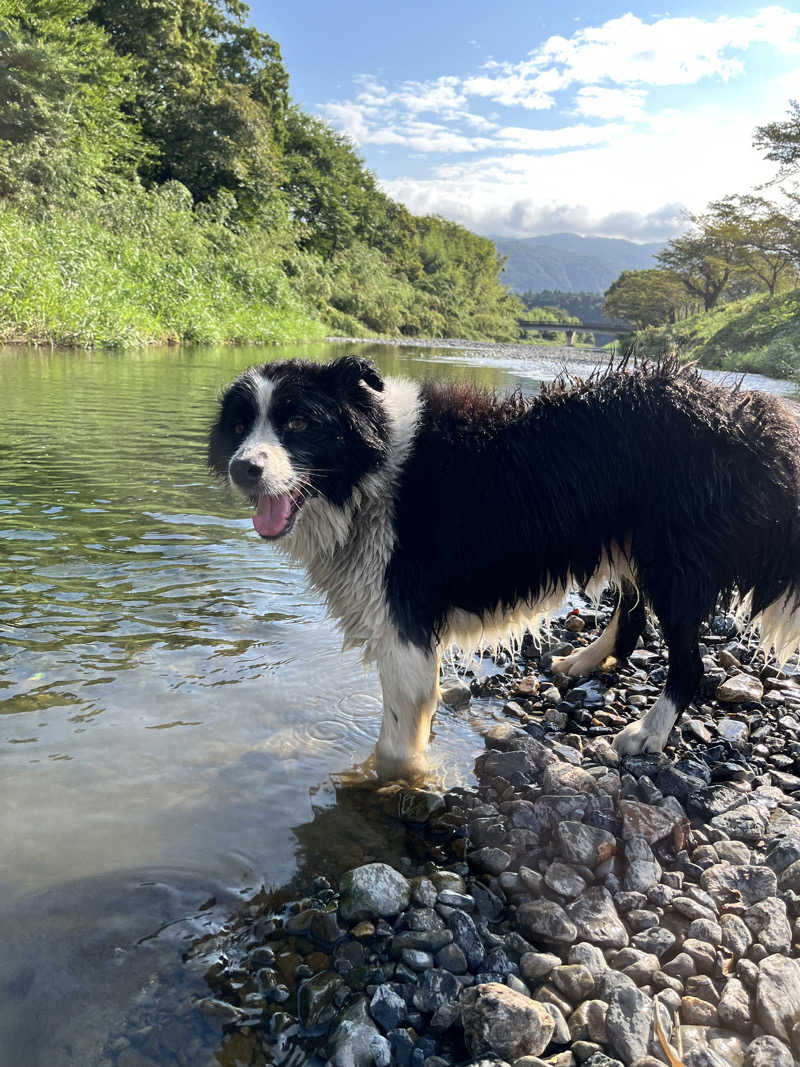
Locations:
column 635, row 185
column 581, row 147
column 596, row 102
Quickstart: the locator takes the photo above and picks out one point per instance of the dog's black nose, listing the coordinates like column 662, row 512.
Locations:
column 245, row 473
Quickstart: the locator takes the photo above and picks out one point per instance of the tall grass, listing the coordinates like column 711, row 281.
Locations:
column 143, row 268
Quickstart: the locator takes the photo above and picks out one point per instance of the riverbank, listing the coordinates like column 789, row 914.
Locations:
column 567, row 909
column 760, row 334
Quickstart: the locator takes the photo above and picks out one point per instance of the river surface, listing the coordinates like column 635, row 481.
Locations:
column 178, row 724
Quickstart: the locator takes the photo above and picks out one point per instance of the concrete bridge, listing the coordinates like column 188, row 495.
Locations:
column 571, row 328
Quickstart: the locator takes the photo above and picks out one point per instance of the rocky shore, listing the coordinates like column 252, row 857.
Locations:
column 569, row 909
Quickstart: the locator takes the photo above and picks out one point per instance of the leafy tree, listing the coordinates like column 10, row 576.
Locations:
column 767, row 236
column 212, row 95
column 780, row 141
column 645, row 297
column 63, row 90
column 705, row 258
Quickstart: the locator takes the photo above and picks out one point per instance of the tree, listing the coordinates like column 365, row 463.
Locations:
column 212, row 96
column 780, row 141
column 767, row 235
column 646, row 297
column 63, row 93
column 705, row 258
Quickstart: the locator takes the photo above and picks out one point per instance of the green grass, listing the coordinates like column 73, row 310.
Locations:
column 144, row 268
column 760, row 334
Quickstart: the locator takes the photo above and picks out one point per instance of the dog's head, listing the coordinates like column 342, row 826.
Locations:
column 292, row 431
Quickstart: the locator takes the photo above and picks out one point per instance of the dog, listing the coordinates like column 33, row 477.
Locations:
column 435, row 514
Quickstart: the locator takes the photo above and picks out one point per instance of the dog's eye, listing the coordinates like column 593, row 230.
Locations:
column 239, row 429
column 296, row 424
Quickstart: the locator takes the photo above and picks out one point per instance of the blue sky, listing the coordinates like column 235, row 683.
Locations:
column 523, row 118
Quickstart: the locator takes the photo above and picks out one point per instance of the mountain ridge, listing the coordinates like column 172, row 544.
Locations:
column 569, row 262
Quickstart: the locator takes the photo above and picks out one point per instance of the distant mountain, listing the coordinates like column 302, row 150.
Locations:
column 571, row 263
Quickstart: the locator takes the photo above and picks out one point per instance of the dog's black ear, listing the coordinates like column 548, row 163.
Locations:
column 350, row 370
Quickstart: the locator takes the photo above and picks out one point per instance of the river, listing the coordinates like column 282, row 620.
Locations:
column 178, row 722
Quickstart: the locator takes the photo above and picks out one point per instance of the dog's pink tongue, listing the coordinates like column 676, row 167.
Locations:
column 272, row 515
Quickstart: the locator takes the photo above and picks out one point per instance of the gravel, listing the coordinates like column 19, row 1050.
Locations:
column 570, row 908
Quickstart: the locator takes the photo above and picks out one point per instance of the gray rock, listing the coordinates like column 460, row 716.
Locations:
column 546, row 919
column 735, row 934
column 564, row 777
column 355, row 1040
column 704, row 1057
column 374, row 890
column 596, row 919
column 537, row 965
column 768, row 924
column 498, row 1020
column 656, row 941
column 629, row 1022
column 574, row 980
column 735, row 852
column 705, row 930
column 563, row 879
column 643, row 870
column 466, row 936
column 590, row 956
column 734, row 1007
column 587, row 845
column 778, row 995
column 727, row 883
column 733, row 730
column 452, row 959
column 455, row 693
column 437, row 987
column 644, row 820
column 746, row 823
column 768, row 1051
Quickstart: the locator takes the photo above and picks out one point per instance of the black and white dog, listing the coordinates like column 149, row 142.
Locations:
column 431, row 515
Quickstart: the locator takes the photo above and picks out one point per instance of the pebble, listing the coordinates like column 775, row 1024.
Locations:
column 544, row 917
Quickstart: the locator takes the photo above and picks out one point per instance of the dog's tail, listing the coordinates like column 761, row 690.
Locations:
column 771, row 609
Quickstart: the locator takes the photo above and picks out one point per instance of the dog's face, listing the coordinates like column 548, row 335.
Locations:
column 289, row 432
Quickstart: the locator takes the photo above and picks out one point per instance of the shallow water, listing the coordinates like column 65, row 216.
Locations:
column 174, row 706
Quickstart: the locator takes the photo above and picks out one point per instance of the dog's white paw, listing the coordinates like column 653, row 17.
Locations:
column 571, row 666
column 638, row 738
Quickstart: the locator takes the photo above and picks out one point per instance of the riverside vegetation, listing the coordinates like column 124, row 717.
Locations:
column 158, row 185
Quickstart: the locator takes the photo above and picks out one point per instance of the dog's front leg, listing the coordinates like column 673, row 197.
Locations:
column 410, row 682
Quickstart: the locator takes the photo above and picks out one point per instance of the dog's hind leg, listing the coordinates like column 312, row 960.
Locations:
column 618, row 639
column 410, row 681
column 650, row 733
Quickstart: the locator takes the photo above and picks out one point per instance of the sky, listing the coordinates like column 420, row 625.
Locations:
column 519, row 119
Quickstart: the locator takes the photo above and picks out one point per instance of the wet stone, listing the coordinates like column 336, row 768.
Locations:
column 372, row 890
column 387, row 1008
column 315, row 999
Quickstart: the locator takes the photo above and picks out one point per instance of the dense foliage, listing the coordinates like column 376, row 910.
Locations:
column 156, row 183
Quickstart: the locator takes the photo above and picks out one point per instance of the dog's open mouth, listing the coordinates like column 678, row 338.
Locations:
column 275, row 515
